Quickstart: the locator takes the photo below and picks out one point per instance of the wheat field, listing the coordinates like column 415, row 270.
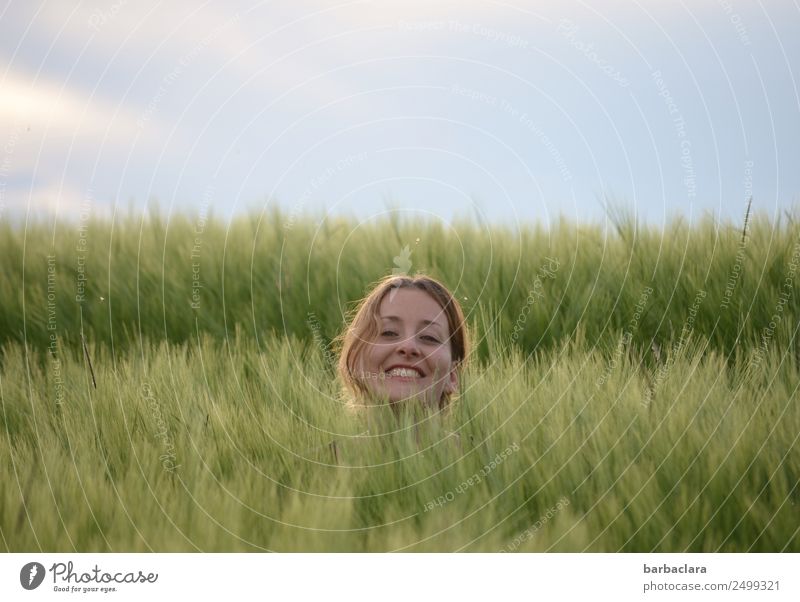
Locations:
column 168, row 384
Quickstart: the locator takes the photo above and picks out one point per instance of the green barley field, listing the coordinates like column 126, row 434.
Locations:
column 168, row 384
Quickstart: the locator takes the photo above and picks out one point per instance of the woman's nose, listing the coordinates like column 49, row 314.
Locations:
column 408, row 346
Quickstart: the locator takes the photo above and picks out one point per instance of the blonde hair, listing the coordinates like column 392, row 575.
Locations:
column 365, row 325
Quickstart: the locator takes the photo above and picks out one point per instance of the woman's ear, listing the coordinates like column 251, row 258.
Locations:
column 451, row 384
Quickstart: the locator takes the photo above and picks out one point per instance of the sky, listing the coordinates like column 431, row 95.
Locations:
column 502, row 111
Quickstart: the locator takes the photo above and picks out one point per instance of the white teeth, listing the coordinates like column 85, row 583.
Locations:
column 404, row 372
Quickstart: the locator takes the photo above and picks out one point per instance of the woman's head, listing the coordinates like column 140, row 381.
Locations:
column 408, row 338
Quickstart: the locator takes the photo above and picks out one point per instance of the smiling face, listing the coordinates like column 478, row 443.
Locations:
column 411, row 354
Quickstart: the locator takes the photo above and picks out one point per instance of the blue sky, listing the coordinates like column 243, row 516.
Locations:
column 514, row 111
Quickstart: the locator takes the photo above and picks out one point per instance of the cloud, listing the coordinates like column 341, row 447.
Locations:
column 41, row 121
column 156, row 37
column 52, row 137
column 66, row 202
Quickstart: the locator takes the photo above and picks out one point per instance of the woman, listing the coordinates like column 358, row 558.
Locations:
column 407, row 340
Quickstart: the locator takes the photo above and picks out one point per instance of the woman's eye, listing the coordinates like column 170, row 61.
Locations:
column 428, row 337
column 388, row 333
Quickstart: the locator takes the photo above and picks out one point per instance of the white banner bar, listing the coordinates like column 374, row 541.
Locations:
column 400, row 577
